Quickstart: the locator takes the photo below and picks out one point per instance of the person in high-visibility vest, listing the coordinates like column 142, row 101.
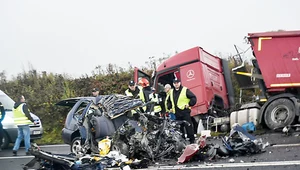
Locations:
column 168, row 89
column 145, row 93
column 180, row 101
column 22, row 118
column 134, row 91
column 156, row 108
column 2, row 116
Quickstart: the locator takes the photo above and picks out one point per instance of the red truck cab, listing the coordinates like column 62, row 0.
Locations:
column 207, row 76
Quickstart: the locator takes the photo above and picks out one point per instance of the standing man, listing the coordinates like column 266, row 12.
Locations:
column 180, row 101
column 133, row 90
column 2, row 116
column 168, row 90
column 95, row 92
column 22, row 119
column 145, row 94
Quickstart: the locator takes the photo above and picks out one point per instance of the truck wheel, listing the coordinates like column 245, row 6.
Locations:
column 279, row 113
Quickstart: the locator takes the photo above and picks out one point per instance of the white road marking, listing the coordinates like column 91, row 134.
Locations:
column 232, row 165
column 49, row 146
column 286, row 145
column 17, row 157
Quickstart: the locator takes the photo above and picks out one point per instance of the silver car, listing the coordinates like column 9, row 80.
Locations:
column 10, row 129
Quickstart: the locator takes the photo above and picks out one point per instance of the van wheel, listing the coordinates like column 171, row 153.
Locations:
column 5, row 140
column 76, row 147
column 279, row 113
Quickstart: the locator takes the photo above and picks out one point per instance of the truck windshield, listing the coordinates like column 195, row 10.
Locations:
column 7, row 102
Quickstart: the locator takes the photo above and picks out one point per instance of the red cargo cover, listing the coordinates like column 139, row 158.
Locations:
column 278, row 56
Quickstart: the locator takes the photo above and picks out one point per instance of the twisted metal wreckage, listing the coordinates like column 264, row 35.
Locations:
column 139, row 142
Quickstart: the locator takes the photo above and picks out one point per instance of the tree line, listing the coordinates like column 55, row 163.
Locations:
column 42, row 90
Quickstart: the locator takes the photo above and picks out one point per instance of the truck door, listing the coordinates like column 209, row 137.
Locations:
column 138, row 74
column 191, row 77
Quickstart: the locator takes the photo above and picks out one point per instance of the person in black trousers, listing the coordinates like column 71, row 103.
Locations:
column 180, row 101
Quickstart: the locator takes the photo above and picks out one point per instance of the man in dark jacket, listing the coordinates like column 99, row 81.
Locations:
column 133, row 90
column 180, row 101
column 2, row 116
column 22, row 119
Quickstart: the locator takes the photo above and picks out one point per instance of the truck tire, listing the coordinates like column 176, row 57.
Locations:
column 279, row 113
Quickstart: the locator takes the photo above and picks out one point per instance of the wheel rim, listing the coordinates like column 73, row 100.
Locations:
column 76, row 147
column 280, row 114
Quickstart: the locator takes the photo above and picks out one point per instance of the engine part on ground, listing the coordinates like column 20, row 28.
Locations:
column 221, row 150
column 240, row 142
column 211, row 152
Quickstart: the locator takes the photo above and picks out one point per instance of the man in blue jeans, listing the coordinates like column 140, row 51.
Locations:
column 22, row 119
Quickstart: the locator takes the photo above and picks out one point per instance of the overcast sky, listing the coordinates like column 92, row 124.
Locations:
column 74, row 36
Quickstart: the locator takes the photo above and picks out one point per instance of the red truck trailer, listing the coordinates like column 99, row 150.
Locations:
column 277, row 69
column 206, row 75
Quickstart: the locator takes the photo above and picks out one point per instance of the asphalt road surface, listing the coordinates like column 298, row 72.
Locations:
column 10, row 162
column 283, row 153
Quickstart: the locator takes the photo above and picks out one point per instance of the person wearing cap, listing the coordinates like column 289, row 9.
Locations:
column 179, row 102
column 95, row 92
column 133, row 90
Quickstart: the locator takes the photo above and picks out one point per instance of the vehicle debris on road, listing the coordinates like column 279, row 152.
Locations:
column 142, row 141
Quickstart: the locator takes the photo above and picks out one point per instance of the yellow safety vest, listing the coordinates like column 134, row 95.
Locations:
column 20, row 117
column 141, row 96
column 157, row 107
column 166, row 100
column 127, row 93
column 182, row 99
